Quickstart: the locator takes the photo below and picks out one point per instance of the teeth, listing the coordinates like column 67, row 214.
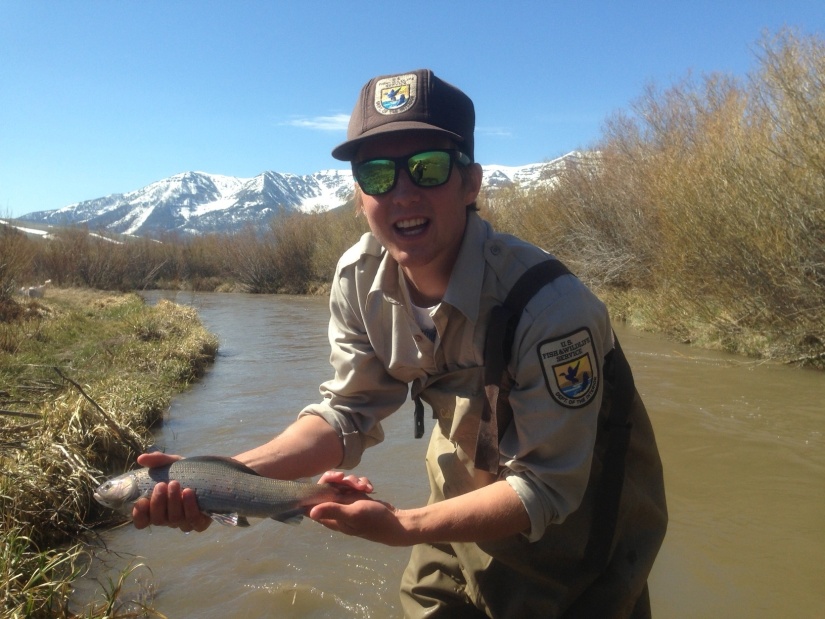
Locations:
column 411, row 223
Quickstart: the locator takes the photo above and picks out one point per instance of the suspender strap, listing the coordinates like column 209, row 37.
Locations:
column 497, row 413
column 498, row 348
column 609, row 492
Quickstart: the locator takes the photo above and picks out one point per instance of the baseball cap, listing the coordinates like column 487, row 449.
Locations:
column 417, row 100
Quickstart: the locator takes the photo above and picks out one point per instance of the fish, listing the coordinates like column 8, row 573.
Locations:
column 228, row 491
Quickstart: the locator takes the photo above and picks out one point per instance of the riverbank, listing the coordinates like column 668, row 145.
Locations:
column 84, row 375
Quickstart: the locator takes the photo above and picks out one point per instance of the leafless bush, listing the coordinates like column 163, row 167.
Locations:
column 710, row 193
column 250, row 259
column 337, row 231
column 294, row 238
column 16, row 254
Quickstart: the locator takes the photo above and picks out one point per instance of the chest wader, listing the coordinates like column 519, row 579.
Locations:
column 596, row 562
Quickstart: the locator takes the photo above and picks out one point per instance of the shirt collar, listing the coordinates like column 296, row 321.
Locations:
column 468, row 272
column 386, row 280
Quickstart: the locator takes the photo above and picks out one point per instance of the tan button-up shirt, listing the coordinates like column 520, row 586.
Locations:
column 379, row 352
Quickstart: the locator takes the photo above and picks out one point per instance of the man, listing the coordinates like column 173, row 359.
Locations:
column 546, row 486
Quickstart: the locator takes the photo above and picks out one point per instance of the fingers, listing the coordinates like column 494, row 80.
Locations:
column 170, row 505
column 157, row 505
column 140, row 514
column 195, row 518
column 174, row 505
column 362, row 484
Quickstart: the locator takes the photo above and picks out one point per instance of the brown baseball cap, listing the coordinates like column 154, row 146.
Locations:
column 417, row 100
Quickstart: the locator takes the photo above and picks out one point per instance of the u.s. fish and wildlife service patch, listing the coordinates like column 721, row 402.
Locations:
column 396, row 94
column 570, row 368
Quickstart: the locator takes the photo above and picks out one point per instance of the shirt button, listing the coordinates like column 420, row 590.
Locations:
column 495, row 250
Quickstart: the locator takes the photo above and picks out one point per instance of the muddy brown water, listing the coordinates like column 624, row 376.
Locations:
column 743, row 445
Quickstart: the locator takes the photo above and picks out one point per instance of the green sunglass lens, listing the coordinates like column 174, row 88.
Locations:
column 430, row 169
column 377, row 176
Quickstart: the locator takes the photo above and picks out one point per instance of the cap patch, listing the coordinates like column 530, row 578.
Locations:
column 570, row 369
column 396, row 94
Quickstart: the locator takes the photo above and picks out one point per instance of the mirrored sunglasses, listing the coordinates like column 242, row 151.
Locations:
column 429, row 168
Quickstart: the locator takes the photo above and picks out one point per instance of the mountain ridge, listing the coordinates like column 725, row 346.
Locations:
column 195, row 202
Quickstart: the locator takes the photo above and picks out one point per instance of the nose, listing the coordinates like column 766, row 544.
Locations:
column 405, row 191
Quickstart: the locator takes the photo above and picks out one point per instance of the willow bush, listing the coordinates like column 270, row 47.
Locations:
column 709, row 198
column 16, row 255
column 337, row 231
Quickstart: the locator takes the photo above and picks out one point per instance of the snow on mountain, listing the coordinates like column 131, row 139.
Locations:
column 197, row 202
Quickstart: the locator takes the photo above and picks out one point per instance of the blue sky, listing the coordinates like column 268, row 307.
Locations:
column 107, row 97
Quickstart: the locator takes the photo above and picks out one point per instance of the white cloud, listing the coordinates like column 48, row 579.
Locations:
column 495, row 131
column 338, row 122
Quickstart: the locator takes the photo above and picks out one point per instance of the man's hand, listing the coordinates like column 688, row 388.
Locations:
column 169, row 505
column 360, row 515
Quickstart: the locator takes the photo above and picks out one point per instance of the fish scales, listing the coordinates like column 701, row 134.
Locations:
column 223, row 486
column 224, row 489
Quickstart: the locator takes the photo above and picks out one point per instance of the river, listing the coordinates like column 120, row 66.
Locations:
column 743, row 446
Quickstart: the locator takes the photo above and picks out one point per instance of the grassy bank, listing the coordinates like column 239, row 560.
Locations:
column 83, row 376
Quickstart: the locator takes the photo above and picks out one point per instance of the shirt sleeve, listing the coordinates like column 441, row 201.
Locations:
column 556, row 397
column 361, row 392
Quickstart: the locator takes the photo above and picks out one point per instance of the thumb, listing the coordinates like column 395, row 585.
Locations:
column 326, row 511
column 156, row 459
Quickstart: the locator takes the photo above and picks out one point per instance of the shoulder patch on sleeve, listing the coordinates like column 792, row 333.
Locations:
column 571, row 369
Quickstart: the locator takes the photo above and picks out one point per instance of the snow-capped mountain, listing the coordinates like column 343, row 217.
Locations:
column 197, row 202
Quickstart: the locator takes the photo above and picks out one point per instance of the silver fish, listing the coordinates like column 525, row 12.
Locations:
column 227, row 490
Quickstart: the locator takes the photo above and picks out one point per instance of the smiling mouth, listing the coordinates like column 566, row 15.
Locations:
column 410, row 227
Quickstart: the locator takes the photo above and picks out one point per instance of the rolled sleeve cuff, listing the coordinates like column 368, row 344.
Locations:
column 539, row 509
column 350, row 437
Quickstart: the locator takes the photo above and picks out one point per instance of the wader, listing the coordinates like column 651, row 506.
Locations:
column 595, row 564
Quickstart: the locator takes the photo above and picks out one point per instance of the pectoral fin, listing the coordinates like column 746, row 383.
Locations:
column 292, row 517
column 230, row 520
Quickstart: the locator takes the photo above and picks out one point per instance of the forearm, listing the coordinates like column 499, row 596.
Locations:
column 492, row 512
column 308, row 447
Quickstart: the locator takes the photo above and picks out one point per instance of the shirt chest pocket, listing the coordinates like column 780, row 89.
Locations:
column 457, row 400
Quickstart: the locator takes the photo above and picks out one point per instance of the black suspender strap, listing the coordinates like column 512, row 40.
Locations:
column 497, row 413
column 617, row 373
column 498, row 348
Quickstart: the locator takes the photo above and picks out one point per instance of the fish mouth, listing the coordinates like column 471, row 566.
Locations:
column 107, row 502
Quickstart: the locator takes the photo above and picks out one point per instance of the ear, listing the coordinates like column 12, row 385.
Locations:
column 472, row 186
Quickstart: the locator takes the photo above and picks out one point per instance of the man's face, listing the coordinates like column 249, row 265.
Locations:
column 421, row 227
